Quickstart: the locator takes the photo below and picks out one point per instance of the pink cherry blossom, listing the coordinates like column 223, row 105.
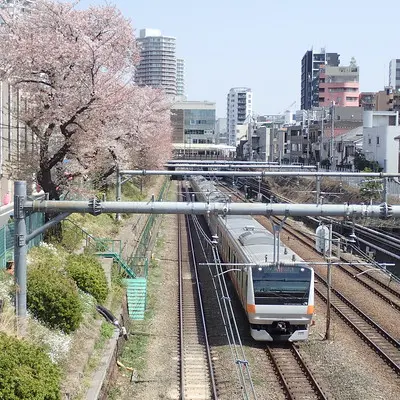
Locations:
column 74, row 72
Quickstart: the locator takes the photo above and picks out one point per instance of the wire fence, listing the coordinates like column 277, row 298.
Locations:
column 33, row 222
column 138, row 261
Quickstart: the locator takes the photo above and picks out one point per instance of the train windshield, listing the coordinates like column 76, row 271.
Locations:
column 281, row 285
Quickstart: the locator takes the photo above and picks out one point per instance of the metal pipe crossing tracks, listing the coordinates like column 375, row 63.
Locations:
column 162, row 207
column 260, row 173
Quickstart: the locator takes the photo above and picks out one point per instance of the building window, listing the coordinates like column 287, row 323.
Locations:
column 369, row 141
column 377, row 140
column 392, row 120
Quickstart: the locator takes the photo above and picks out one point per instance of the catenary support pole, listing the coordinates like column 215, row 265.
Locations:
column 318, row 186
column 118, row 191
column 385, row 190
column 20, row 250
column 329, row 284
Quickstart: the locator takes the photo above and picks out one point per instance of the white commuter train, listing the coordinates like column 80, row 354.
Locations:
column 279, row 299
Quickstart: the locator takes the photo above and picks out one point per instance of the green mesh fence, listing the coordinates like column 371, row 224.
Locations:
column 33, row 222
column 138, row 261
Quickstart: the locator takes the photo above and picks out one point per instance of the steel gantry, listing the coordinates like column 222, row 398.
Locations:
column 22, row 206
column 317, row 174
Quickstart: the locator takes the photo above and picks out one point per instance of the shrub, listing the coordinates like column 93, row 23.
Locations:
column 46, row 255
column 53, row 298
column 88, row 274
column 26, row 372
column 71, row 237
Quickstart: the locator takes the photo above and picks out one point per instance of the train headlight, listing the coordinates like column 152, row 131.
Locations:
column 302, row 269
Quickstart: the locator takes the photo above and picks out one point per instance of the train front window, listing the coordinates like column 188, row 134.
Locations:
column 281, row 285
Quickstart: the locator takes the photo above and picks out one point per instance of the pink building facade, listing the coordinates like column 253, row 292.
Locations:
column 339, row 85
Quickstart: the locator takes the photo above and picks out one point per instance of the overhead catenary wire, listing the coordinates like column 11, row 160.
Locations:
column 227, row 314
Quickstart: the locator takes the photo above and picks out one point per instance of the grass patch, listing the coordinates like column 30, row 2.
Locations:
column 134, row 353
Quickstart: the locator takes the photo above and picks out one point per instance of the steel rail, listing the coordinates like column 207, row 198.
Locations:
column 383, row 352
column 392, row 342
column 202, row 313
column 181, row 344
column 292, row 373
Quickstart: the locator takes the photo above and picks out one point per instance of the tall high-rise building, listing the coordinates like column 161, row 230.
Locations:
column 394, row 74
column 180, row 77
column 310, row 65
column 239, row 106
column 158, row 64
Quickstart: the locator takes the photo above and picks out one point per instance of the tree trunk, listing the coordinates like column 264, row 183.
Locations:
column 48, row 185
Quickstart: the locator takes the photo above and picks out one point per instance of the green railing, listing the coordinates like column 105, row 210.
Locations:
column 138, row 260
column 33, row 222
column 92, row 243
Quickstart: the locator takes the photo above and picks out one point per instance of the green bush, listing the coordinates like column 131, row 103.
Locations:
column 88, row 274
column 71, row 237
column 46, row 255
column 53, row 298
column 26, row 372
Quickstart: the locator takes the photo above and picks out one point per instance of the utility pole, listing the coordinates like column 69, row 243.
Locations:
column 317, row 186
column 308, row 137
column 118, row 192
column 322, row 142
column 329, row 284
column 332, row 134
column 20, row 251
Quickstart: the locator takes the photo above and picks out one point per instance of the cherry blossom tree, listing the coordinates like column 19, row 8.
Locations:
column 74, row 72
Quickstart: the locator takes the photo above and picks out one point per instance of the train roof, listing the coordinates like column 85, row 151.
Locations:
column 255, row 240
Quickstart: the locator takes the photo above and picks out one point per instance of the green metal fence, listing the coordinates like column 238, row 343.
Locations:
column 33, row 222
column 92, row 243
column 138, row 261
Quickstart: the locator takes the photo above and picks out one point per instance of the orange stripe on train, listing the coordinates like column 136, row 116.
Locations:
column 251, row 308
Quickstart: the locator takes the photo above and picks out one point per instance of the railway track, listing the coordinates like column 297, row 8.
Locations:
column 297, row 380
column 376, row 337
column 196, row 370
column 386, row 293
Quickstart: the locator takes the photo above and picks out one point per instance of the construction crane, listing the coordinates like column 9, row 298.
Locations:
column 288, row 108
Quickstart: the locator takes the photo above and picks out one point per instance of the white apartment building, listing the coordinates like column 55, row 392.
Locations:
column 180, row 77
column 380, row 142
column 239, row 107
column 158, row 64
column 394, row 74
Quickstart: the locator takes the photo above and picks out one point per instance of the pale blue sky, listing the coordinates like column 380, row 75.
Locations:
column 260, row 43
